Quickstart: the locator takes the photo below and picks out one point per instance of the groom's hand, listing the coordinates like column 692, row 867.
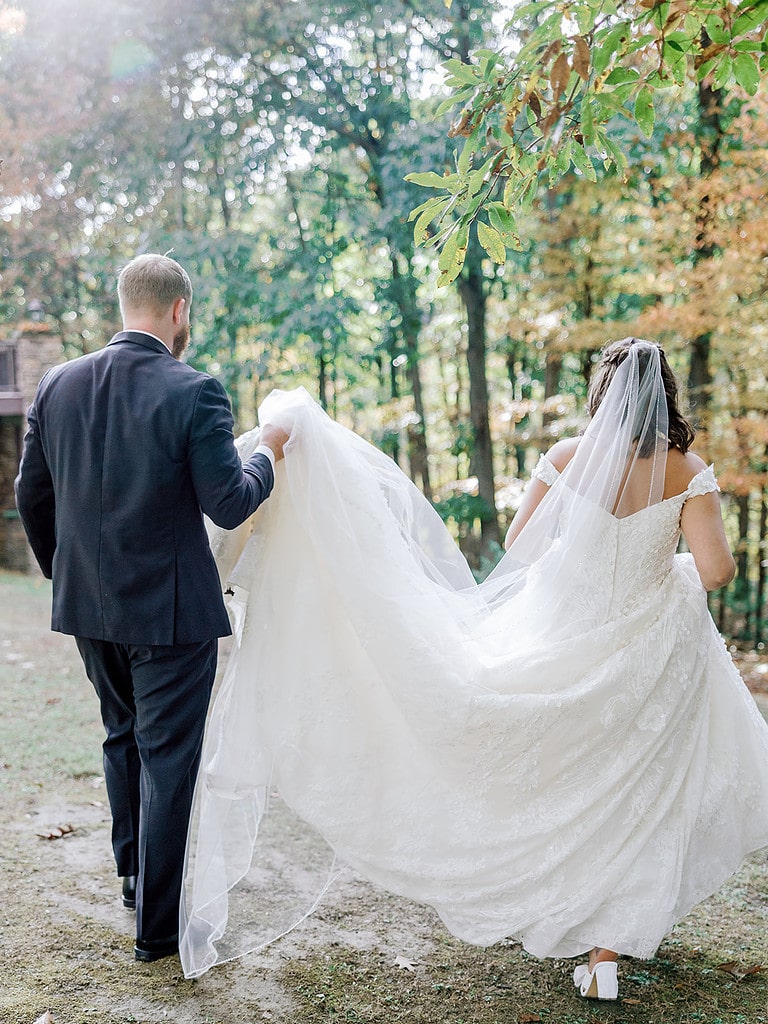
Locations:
column 274, row 438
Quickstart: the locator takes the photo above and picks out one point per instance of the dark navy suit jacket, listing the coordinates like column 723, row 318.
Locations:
column 125, row 451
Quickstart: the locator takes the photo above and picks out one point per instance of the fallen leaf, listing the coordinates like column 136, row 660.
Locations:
column 730, row 966
column 733, row 968
column 528, row 1018
column 47, row 1018
column 632, row 1002
column 404, row 963
column 57, row 833
column 53, row 700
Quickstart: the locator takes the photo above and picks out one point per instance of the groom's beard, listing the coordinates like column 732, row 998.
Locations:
column 180, row 342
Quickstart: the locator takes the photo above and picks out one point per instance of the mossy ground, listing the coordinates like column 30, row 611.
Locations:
column 366, row 957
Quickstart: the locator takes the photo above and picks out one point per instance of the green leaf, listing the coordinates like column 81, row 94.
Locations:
column 501, row 219
column 563, row 157
column 614, row 155
column 746, row 74
column 529, row 191
column 488, row 65
column 748, row 46
column 587, row 122
column 715, row 30
column 645, row 115
column 467, row 152
column 475, row 181
column 752, row 17
column 512, row 189
column 585, row 17
column 428, row 204
column 619, row 76
column 477, row 178
column 454, row 100
column 532, row 10
column 705, row 68
column 609, row 103
column 453, row 254
column 723, row 72
column 581, row 160
column 426, row 218
column 491, row 241
column 429, row 179
column 462, row 72
column 606, row 45
column 660, row 13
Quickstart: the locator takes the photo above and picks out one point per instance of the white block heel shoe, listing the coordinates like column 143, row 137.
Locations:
column 600, row 983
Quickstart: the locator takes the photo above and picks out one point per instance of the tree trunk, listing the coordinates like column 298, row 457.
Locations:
column 709, row 135
column 552, row 367
column 322, row 376
column 472, row 291
column 762, row 564
column 404, row 293
column 741, row 585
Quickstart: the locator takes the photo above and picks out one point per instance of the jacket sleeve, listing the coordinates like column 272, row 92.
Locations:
column 228, row 490
column 35, row 497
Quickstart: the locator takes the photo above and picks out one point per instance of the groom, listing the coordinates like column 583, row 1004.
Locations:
column 126, row 449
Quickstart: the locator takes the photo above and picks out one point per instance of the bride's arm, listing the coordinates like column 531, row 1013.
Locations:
column 559, row 455
column 702, row 526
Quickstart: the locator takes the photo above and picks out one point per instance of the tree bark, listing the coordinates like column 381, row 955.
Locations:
column 762, row 564
column 472, row 291
column 709, row 135
column 404, row 292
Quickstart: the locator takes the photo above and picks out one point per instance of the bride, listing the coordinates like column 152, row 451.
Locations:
column 564, row 755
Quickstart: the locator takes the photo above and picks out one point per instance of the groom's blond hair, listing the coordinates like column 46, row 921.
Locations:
column 152, row 283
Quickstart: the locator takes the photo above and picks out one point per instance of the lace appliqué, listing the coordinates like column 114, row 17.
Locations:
column 703, row 483
column 545, row 471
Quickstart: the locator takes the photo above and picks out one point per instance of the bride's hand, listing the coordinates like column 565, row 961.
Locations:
column 275, row 438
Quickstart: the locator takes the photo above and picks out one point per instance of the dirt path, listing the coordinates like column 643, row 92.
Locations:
column 67, row 943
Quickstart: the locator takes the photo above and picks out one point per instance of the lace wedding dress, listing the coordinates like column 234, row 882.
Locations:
column 565, row 755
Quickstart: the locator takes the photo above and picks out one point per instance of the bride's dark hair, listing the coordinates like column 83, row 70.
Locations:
column 680, row 432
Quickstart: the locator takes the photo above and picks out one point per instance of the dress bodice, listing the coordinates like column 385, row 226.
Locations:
column 633, row 555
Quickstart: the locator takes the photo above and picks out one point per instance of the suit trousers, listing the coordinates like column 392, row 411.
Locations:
column 154, row 701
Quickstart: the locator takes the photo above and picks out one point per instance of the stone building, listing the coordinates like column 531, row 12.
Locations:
column 25, row 355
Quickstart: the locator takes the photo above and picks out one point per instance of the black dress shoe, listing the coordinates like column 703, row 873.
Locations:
column 149, row 951
column 129, row 892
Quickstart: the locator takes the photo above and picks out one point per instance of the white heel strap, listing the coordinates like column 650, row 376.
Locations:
column 602, row 982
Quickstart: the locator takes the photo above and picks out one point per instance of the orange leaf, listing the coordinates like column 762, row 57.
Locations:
column 582, row 58
column 558, row 79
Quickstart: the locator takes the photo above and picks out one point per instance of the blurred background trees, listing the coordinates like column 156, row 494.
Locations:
column 267, row 143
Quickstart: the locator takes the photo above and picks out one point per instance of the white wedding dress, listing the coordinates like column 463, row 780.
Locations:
column 571, row 760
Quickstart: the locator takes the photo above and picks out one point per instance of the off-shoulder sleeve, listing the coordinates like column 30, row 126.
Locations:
column 545, row 471
column 703, row 483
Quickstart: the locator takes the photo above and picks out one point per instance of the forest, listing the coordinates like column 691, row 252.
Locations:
column 278, row 149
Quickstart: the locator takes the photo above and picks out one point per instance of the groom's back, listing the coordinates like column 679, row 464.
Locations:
column 131, row 561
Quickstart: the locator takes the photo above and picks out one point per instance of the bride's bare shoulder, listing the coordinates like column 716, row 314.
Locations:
column 681, row 469
column 561, row 453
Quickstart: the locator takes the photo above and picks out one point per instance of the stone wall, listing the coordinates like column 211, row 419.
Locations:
column 37, row 350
